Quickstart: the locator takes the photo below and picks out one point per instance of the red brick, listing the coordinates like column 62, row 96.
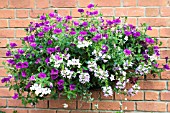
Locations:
column 106, row 98
column 152, row 2
column 107, row 11
column 152, row 12
column 168, row 106
column 17, row 103
column 164, row 42
column 22, row 13
column 155, row 21
column 153, row 33
column 42, row 111
column 80, row 111
column 151, row 95
column 64, row 3
column 3, row 52
column 168, row 85
column 3, row 23
column 161, row 62
column 6, row 13
column 21, row 3
column 110, row 3
column 63, row 111
column 130, row 12
column 3, row 72
column 37, row 12
column 164, row 53
column 19, row 23
column 103, row 105
column 132, row 21
column 11, row 110
column 165, row 11
column 20, row 33
column 63, row 12
column 165, row 32
column 165, row 96
column 96, row 94
column 6, row 92
column 138, row 96
column 6, row 33
column 151, row 106
column 153, row 85
column 42, row 3
column 3, row 3
column 59, row 104
column 152, row 77
column 3, row 42
column 128, row 106
column 42, row 104
column 84, row 105
column 83, row 3
column 129, row 3
column 75, row 12
column 165, row 75
column 2, row 102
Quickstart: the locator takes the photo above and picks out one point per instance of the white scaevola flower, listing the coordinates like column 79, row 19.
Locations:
column 65, row 105
column 126, row 38
column 107, row 91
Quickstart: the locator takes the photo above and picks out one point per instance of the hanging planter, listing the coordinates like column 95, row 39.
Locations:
column 63, row 56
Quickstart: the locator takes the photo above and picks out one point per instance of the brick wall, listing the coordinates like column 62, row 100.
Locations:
column 15, row 15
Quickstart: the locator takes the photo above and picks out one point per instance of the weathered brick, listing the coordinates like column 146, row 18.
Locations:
column 165, row 53
column 130, row 12
column 21, row 3
column 110, row 3
column 128, row 106
column 17, row 41
column 107, row 11
column 3, row 42
column 42, row 3
column 63, row 12
column 36, row 12
column 129, row 2
column 6, row 92
column 84, row 105
column 138, row 96
column 42, row 104
column 83, row 3
column 19, row 23
column 3, row 23
column 3, row 3
column 153, row 85
column 153, row 33
column 42, row 111
column 20, row 33
column 165, row 32
column 64, row 3
column 168, row 85
column 11, row 110
column 17, row 103
column 168, row 106
column 7, row 13
column 103, row 105
column 151, row 95
column 6, row 33
column 3, row 53
column 22, row 13
column 165, row 96
column 165, row 75
column 151, row 106
column 80, row 111
column 152, row 12
column 165, row 11
column 152, row 2
column 3, row 102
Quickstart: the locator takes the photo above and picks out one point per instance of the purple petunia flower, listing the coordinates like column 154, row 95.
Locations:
column 15, row 96
column 31, row 38
column 42, row 75
column 127, row 33
column 33, row 45
column 19, row 65
column 47, row 60
column 92, row 29
column 50, row 50
column 85, row 24
column 60, row 87
column 166, row 67
column 8, row 53
column 28, row 85
column 97, row 38
column 76, row 23
column 32, row 78
column 38, row 61
column 11, row 61
column 17, row 56
column 90, row 6
column 104, row 49
column 149, row 28
column 6, row 79
column 58, row 49
column 72, row 87
column 80, row 38
column 89, row 13
column 83, row 33
column 46, row 29
column 105, row 36
column 116, row 21
column 24, row 64
column 40, row 34
column 72, row 33
column 57, row 31
column 49, row 42
column 81, row 10
column 149, row 40
column 136, row 34
column 156, row 65
column 52, row 15
column 109, row 22
column 42, row 17
column 57, row 57
column 60, row 82
column 13, row 45
column 68, row 17
column 20, row 51
column 24, row 74
column 127, row 52
column 95, row 12
column 54, row 74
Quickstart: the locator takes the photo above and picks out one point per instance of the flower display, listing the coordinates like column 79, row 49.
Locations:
column 61, row 55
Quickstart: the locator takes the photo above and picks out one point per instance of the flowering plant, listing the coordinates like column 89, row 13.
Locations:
column 62, row 56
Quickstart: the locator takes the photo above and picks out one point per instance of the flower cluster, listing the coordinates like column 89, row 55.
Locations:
column 61, row 55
